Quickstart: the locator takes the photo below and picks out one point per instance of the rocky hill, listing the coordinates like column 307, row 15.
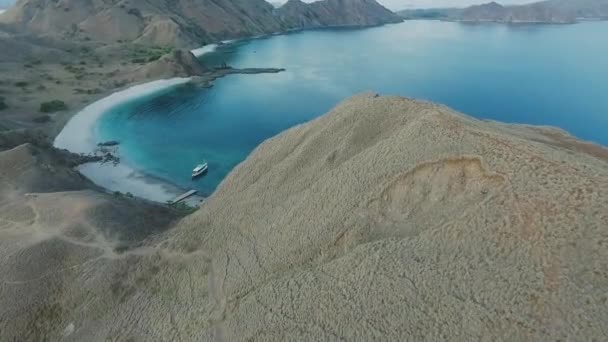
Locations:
column 542, row 12
column 550, row 11
column 297, row 14
column 386, row 219
column 181, row 23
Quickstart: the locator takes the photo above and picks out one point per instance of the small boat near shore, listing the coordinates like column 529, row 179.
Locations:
column 200, row 170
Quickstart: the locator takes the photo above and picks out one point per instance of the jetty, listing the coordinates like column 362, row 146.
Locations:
column 184, row 196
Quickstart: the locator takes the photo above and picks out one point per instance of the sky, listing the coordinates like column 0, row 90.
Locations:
column 396, row 4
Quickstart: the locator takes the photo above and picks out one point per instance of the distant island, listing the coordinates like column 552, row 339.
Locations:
column 544, row 12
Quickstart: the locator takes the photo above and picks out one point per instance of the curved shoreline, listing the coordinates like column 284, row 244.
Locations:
column 79, row 136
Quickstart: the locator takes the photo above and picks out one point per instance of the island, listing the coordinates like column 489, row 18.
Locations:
column 543, row 12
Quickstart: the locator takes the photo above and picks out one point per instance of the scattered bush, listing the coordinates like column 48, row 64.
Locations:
column 182, row 208
column 134, row 12
column 42, row 119
column 21, row 84
column 53, row 106
column 3, row 104
column 120, row 84
column 154, row 58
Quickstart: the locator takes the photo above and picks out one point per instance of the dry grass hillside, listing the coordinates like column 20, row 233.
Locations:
column 386, row 219
column 183, row 23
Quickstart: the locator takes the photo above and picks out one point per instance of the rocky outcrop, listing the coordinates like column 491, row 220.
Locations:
column 297, row 14
column 182, row 23
column 386, row 219
column 178, row 63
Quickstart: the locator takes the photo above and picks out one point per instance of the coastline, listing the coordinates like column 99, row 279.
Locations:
column 136, row 180
column 79, row 134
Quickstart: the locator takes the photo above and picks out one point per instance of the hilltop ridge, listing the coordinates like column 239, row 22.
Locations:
column 387, row 218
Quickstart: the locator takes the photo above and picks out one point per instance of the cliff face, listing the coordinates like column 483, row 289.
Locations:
column 180, row 23
column 386, row 219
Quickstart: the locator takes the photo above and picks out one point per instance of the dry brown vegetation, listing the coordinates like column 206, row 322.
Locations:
column 387, row 219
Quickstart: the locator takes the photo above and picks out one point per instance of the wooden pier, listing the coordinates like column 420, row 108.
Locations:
column 184, row 196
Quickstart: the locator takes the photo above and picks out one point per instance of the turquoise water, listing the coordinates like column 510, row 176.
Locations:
column 545, row 75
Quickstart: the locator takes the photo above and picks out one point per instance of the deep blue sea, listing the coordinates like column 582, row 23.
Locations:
column 534, row 74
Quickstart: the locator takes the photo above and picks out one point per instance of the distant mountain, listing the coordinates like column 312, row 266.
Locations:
column 159, row 22
column 550, row 11
column 297, row 14
column 545, row 12
column 431, row 13
column 184, row 23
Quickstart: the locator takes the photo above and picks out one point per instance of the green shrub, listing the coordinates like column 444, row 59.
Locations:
column 21, row 84
column 53, row 106
column 3, row 104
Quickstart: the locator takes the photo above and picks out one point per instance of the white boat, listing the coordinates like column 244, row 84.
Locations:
column 200, row 169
